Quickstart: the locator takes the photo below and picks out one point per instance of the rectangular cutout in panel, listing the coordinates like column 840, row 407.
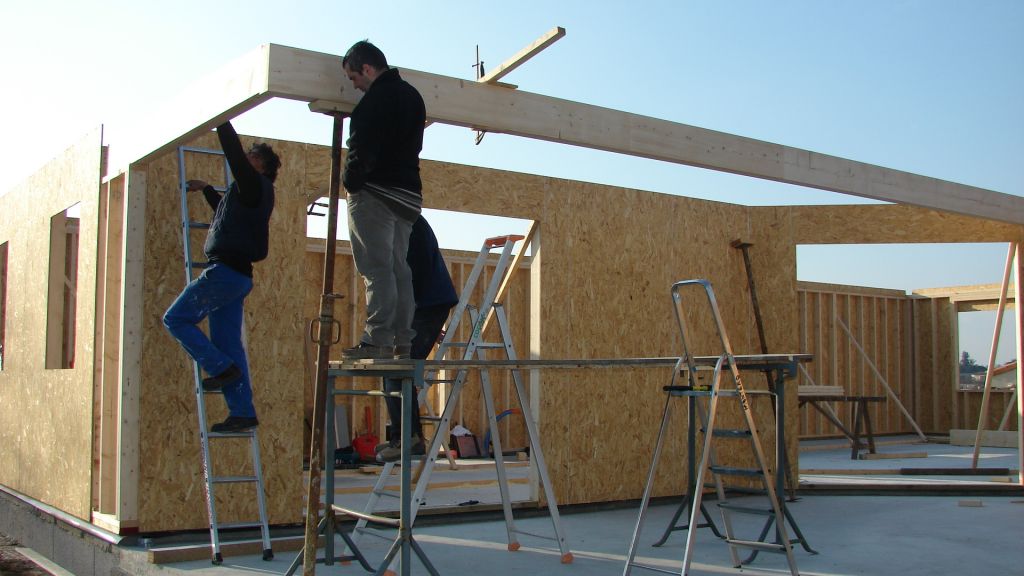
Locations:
column 62, row 289
column 974, row 336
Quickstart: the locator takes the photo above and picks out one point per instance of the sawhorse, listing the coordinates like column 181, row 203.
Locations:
column 861, row 419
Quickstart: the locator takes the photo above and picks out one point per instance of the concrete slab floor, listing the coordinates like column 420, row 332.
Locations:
column 876, row 535
column 885, row 525
column 853, row 534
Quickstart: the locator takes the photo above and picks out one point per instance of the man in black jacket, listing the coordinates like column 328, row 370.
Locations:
column 238, row 236
column 382, row 176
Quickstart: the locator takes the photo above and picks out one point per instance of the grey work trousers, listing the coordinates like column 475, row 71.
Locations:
column 380, row 243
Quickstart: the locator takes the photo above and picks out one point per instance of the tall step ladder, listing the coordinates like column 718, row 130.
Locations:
column 699, row 385
column 475, row 348
column 192, row 268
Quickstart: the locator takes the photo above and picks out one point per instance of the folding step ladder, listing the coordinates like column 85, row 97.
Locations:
column 205, row 436
column 475, row 347
column 709, row 387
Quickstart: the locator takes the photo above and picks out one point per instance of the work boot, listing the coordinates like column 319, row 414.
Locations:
column 393, row 453
column 367, row 351
column 403, row 352
column 235, row 424
column 232, row 375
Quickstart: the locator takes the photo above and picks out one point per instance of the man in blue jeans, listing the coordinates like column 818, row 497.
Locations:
column 238, row 236
column 435, row 297
column 382, row 176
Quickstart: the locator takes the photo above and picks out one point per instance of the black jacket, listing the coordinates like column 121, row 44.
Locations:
column 431, row 282
column 240, row 232
column 386, row 136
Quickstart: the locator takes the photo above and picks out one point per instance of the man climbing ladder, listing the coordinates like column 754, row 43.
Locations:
column 237, row 237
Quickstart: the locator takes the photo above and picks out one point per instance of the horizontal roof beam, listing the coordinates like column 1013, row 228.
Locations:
column 309, row 76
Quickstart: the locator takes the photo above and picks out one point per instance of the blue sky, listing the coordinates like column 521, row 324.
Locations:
column 927, row 86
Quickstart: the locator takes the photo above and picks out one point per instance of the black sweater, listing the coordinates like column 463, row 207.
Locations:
column 240, row 232
column 385, row 136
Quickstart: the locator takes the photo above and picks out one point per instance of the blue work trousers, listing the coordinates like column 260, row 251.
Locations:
column 218, row 293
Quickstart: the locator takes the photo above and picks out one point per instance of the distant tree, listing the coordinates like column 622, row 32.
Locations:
column 969, row 366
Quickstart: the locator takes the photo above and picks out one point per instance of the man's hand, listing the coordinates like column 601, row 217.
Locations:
column 193, row 185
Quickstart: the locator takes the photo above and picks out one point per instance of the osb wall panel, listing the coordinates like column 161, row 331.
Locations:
column 773, row 267
column 891, row 223
column 610, row 257
column 46, row 415
column 877, row 320
column 170, row 484
column 284, row 299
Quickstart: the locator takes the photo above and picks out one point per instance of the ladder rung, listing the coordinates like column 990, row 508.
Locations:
column 439, row 380
column 231, row 479
column 732, row 471
column 199, row 264
column 199, row 225
column 746, row 509
column 243, row 434
column 745, row 490
column 484, row 345
column 762, row 546
column 499, row 241
column 730, row 433
column 233, row 525
column 685, row 391
column 388, row 493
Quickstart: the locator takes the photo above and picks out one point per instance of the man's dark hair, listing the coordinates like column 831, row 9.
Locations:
column 270, row 160
column 363, row 52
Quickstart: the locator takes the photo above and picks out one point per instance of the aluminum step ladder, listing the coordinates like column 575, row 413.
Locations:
column 701, row 384
column 476, row 348
column 192, row 267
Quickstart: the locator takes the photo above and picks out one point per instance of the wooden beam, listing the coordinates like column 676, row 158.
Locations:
column 284, row 72
column 1018, row 318
column 133, row 252
column 523, row 55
